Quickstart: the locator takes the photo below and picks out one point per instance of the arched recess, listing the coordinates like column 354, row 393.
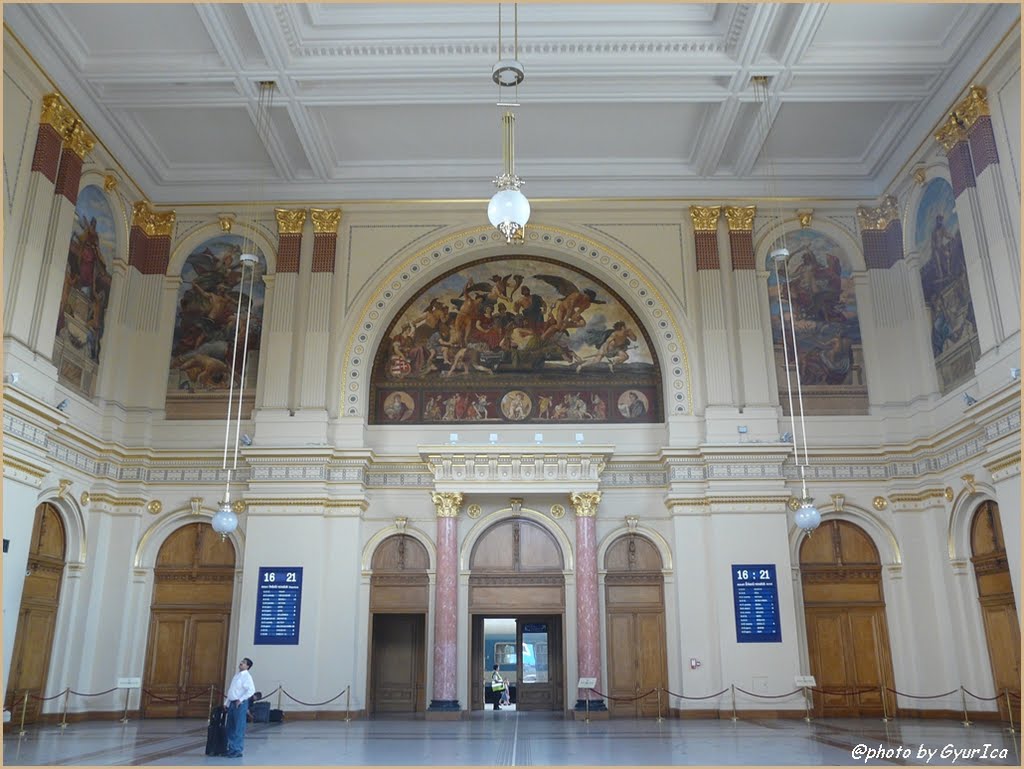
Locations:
column 635, row 626
column 881, row 534
column 662, row 319
column 847, row 631
column 189, row 622
column 517, row 571
column 399, row 604
column 998, row 606
column 961, row 516
column 37, row 615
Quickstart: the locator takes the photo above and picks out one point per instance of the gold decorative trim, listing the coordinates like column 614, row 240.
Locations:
column 447, row 503
column 17, row 464
column 950, row 134
column 290, row 220
column 705, row 501
column 110, row 182
column 804, row 215
column 705, row 218
column 973, row 107
column 879, row 503
column 226, row 221
column 56, row 114
column 238, row 506
column 152, row 223
column 1002, row 464
column 325, row 220
column 474, row 511
column 968, row 479
column 62, row 487
column 948, row 494
column 921, row 496
column 78, row 140
column 110, row 499
column 740, row 218
column 793, row 504
column 196, row 505
column 84, row 499
column 584, row 503
column 838, row 502
column 154, row 507
column 557, row 511
column 251, row 502
column 881, row 217
column 920, row 176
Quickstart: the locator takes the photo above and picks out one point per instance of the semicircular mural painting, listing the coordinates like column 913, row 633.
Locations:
column 515, row 340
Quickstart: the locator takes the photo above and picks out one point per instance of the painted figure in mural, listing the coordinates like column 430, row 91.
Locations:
column 396, row 409
column 830, row 363
column 88, row 255
column 816, row 288
column 614, row 347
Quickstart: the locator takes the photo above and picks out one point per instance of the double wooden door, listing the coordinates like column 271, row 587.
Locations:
column 37, row 617
column 398, row 662
column 637, row 663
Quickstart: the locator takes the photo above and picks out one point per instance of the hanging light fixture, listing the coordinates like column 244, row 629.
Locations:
column 509, row 209
column 807, row 517
column 225, row 520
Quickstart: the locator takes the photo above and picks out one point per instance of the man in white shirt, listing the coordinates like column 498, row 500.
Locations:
column 237, row 703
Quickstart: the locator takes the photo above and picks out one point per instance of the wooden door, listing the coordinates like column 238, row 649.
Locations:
column 539, row 680
column 398, row 659
column 998, row 606
column 635, row 605
column 844, row 612
column 189, row 624
column 37, row 617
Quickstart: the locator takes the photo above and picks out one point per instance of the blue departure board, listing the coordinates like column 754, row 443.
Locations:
column 756, row 599
column 278, row 604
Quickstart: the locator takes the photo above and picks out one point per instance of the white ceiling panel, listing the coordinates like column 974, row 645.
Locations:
column 183, row 136
column 897, row 23
column 109, row 29
column 823, row 131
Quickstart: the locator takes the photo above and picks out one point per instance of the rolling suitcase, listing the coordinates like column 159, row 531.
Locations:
column 217, row 733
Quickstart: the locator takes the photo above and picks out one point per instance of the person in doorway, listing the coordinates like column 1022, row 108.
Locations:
column 505, row 697
column 236, row 701
column 497, row 686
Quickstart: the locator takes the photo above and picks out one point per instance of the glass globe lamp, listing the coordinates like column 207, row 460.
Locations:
column 224, row 520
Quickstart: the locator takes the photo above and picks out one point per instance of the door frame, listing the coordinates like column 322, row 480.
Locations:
column 419, row 698
column 556, row 625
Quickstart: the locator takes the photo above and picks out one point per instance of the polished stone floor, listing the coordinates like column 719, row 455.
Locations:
column 525, row 739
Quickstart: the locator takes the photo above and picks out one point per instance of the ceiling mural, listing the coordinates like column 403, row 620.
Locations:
column 515, row 340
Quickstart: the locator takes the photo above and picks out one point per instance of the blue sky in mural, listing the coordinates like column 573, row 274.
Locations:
column 92, row 202
column 937, row 200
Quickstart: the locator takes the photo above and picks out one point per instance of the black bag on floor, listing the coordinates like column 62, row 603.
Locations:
column 276, row 716
column 260, row 712
column 217, row 733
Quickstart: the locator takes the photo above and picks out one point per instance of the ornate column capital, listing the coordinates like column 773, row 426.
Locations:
column 740, row 218
column 804, row 216
column 584, row 503
column 290, row 221
column 705, row 218
column 447, row 503
column 951, row 133
column 881, row 217
column 973, row 107
column 56, row 114
column 78, row 140
column 325, row 220
column 150, row 222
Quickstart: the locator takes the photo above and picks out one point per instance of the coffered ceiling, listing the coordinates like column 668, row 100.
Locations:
column 390, row 101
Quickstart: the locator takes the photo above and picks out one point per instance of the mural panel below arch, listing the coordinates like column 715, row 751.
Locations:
column 516, row 340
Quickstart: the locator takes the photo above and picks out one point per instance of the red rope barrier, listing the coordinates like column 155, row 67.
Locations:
column 97, row 694
column 921, row 696
column 44, row 699
column 843, row 692
column 769, row 696
column 985, row 699
column 706, row 697
column 157, row 697
column 313, row 704
column 623, row 699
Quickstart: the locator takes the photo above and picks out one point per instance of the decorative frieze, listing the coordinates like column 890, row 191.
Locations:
column 487, row 468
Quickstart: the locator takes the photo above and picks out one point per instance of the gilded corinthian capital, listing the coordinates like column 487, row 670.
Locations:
column 585, row 503
column 325, row 220
column 951, row 133
column 705, row 218
column 740, row 218
column 447, row 503
column 290, row 221
column 56, row 114
column 78, row 140
column 881, row 217
column 973, row 107
column 150, row 222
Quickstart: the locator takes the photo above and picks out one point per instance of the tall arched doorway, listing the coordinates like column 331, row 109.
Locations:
column 37, row 616
column 516, row 574
column 189, row 622
column 847, row 634
column 635, row 605
column 998, row 608
column 399, row 601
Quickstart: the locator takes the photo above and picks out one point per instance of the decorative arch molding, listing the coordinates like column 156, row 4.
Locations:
column 155, row 535
column 366, row 560
column 74, row 524
column 958, row 532
column 659, row 542
column 184, row 247
column 937, row 168
column 853, row 248
column 889, row 551
column 660, row 317
column 498, row 516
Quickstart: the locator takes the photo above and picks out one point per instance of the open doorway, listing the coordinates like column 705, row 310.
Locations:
column 527, row 651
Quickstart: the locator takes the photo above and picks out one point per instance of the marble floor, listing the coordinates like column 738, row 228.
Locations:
column 525, row 739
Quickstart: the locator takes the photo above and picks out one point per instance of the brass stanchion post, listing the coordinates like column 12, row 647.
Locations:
column 124, row 718
column 586, row 705
column 210, row 709
column 1009, row 711
column 733, row 687
column 807, row 706
column 24, row 708
column 348, row 701
column 280, row 691
column 885, row 709
column 963, row 704
column 64, row 718
column 660, row 719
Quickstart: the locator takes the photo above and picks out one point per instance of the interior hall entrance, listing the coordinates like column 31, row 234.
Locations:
column 517, row 611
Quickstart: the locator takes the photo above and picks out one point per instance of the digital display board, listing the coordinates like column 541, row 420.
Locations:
column 756, row 599
column 278, row 604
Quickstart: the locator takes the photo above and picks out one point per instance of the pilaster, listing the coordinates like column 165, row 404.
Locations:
column 753, row 348
column 317, row 334
column 714, row 330
column 279, row 339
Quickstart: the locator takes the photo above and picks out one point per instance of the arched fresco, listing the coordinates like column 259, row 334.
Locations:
column 204, row 330
column 824, row 311
column 954, row 335
column 515, row 340
column 86, row 292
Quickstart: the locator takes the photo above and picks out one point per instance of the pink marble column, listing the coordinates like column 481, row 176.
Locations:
column 446, row 596
column 588, row 615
